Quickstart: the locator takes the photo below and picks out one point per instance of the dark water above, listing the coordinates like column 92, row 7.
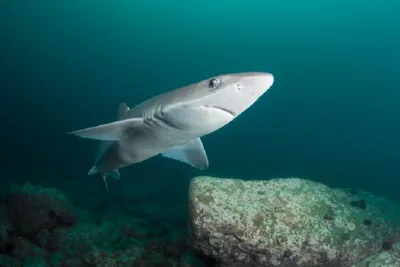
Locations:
column 332, row 114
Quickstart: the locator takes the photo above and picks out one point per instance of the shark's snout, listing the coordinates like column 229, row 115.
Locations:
column 242, row 91
column 256, row 83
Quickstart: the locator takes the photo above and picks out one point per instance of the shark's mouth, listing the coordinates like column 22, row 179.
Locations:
column 222, row 110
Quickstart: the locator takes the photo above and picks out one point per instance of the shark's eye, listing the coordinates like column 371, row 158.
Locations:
column 213, row 83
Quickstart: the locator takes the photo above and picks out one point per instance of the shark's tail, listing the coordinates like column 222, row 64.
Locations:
column 114, row 174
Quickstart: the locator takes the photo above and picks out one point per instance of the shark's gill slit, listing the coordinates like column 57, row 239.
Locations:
column 166, row 122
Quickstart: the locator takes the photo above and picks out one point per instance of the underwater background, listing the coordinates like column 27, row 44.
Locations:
column 331, row 116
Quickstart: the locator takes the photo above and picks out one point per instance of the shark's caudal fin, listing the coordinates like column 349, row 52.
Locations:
column 108, row 132
column 114, row 174
column 105, row 181
column 192, row 153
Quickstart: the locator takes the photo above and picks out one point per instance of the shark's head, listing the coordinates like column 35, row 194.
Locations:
column 234, row 93
column 206, row 106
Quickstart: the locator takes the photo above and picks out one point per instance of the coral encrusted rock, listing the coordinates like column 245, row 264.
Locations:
column 34, row 208
column 287, row 222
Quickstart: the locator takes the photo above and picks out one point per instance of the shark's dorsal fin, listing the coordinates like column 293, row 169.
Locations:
column 122, row 109
column 192, row 153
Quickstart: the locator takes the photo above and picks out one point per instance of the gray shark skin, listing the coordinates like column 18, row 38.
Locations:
column 172, row 123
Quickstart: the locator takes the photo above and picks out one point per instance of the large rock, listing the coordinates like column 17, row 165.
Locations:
column 287, row 222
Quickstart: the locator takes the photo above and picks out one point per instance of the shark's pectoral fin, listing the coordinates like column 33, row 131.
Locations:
column 108, row 132
column 192, row 153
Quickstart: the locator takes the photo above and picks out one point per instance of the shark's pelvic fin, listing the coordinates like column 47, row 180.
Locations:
column 192, row 153
column 122, row 109
column 114, row 174
column 107, row 132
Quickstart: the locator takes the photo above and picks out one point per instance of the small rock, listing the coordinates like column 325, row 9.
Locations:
column 7, row 261
column 23, row 248
column 35, row 262
column 189, row 260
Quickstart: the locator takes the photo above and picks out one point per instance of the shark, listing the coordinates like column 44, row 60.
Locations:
column 173, row 123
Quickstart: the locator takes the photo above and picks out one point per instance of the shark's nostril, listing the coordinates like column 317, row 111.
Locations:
column 239, row 87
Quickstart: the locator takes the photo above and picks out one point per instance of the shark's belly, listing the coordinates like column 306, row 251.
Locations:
column 147, row 143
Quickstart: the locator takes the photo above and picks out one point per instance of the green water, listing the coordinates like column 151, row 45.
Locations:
column 332, row 114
